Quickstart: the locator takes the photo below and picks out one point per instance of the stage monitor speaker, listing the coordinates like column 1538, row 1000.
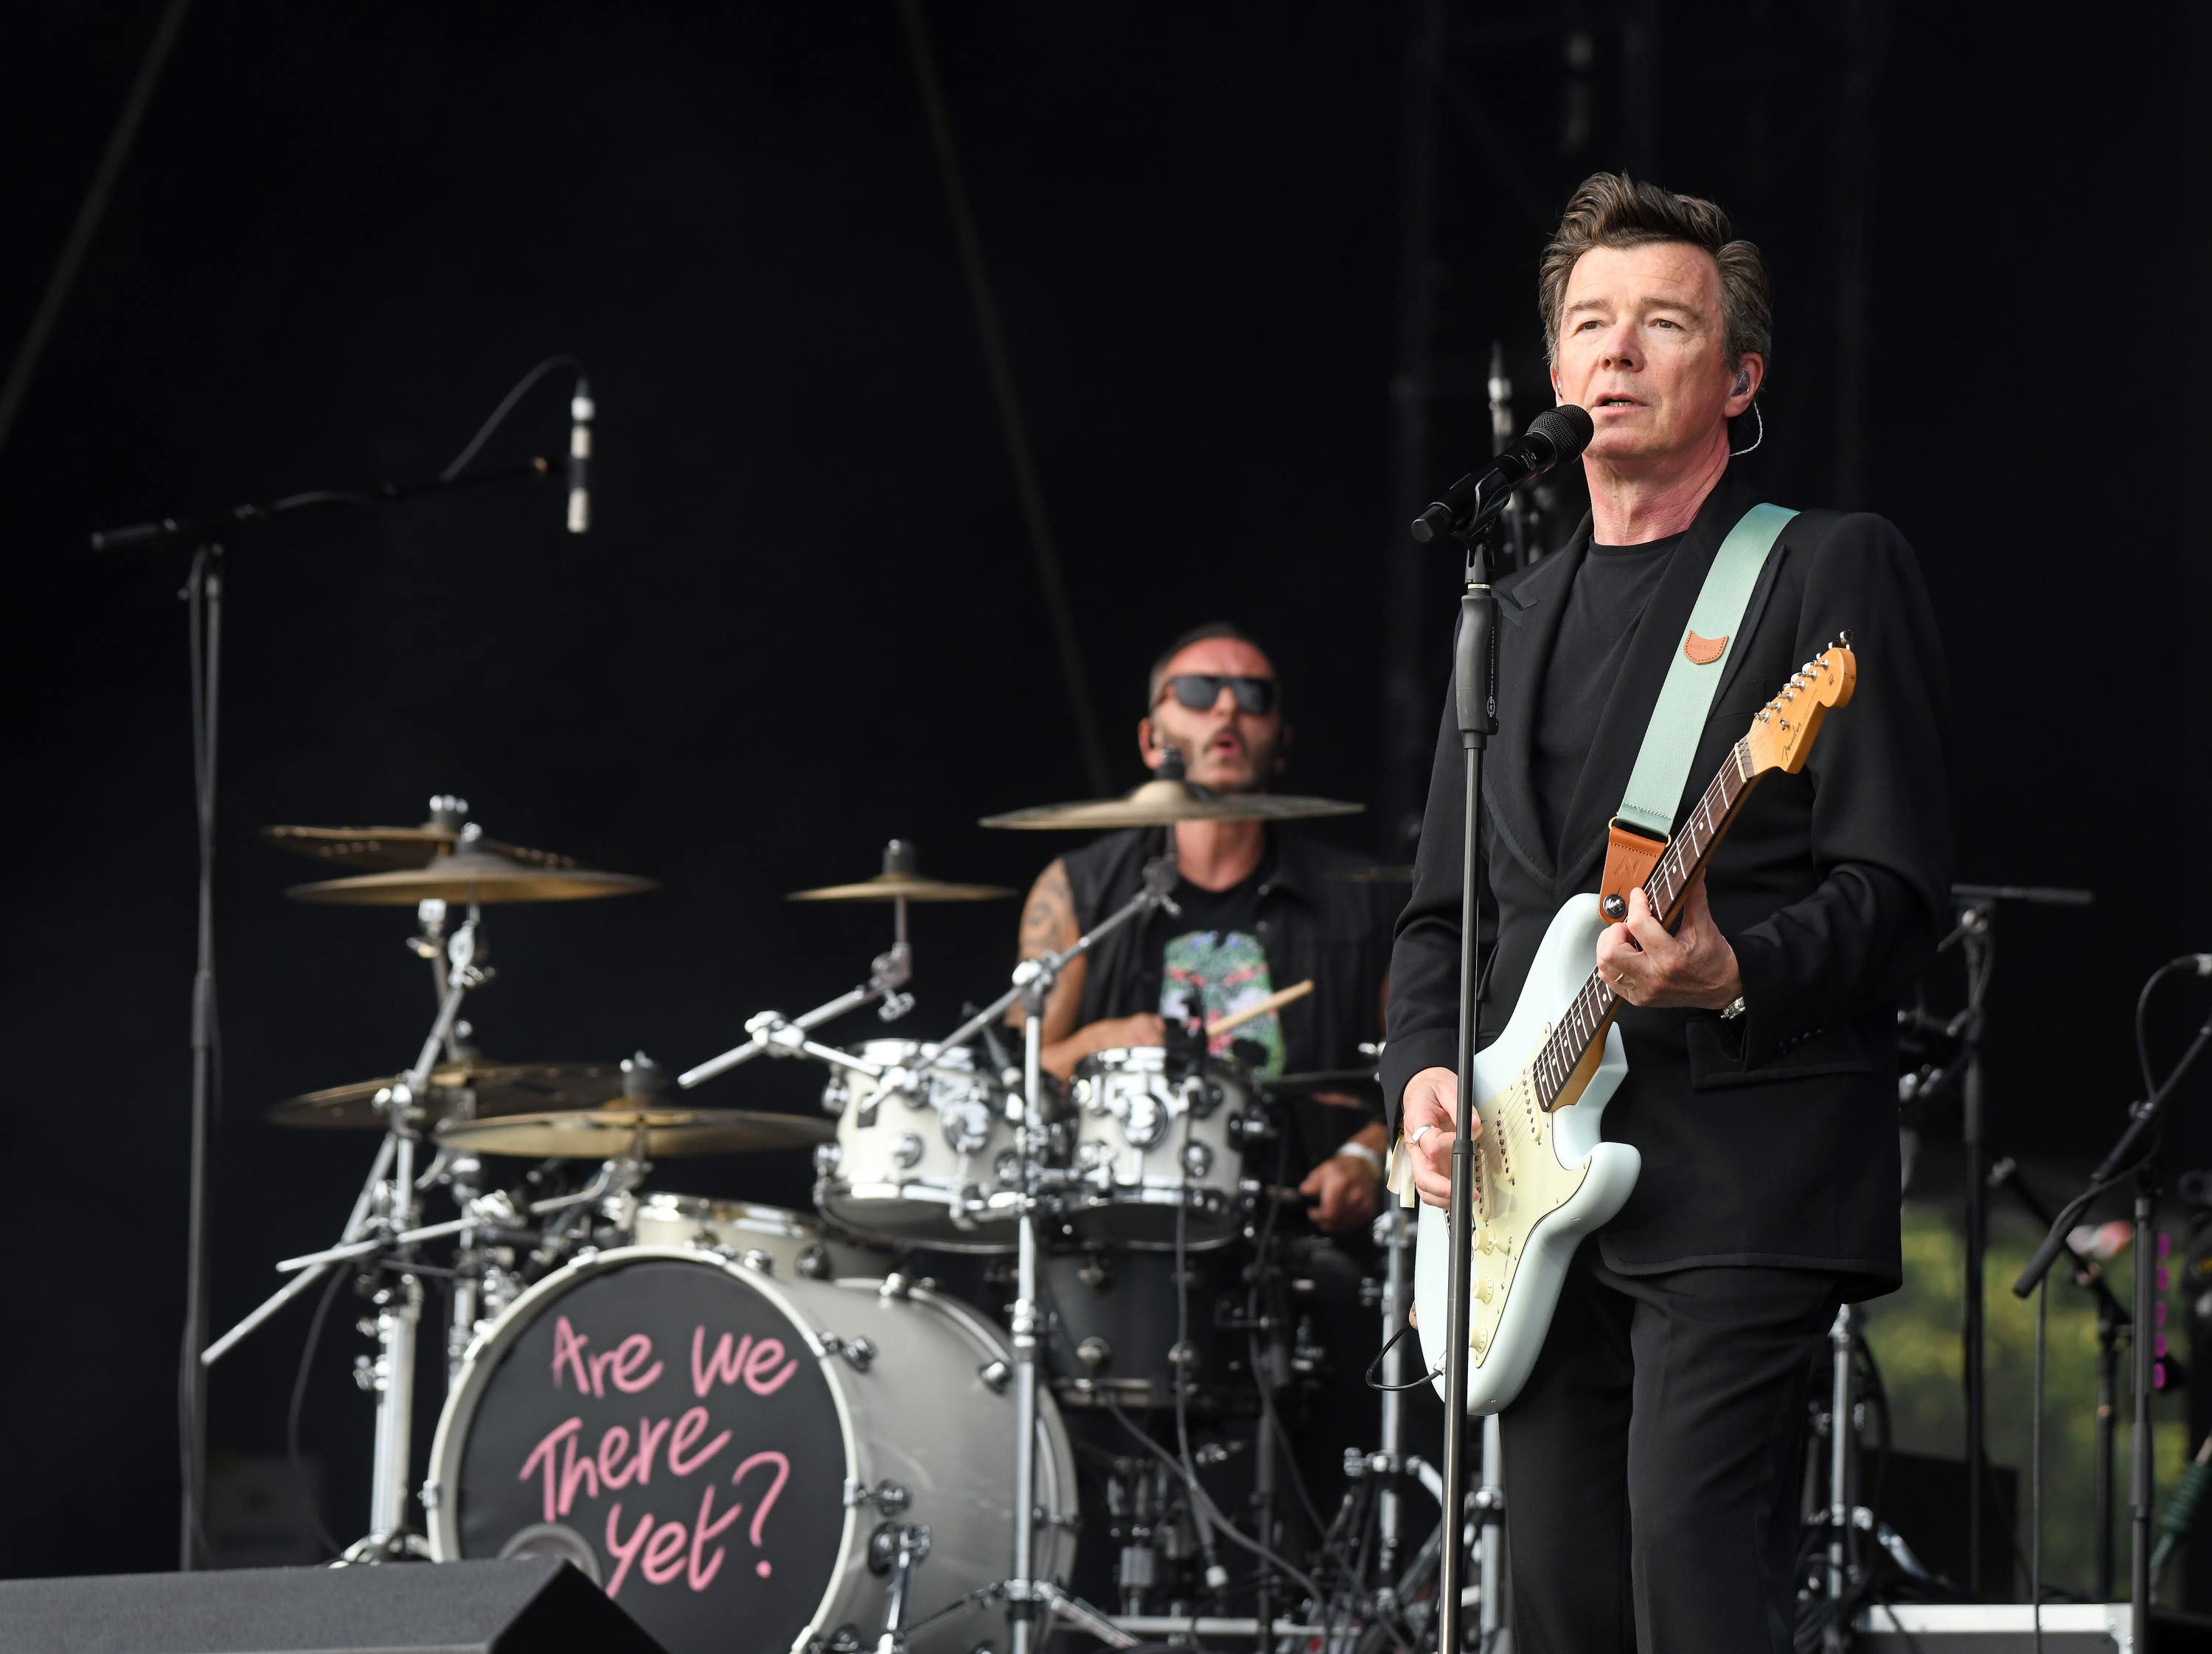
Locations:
column 2009, row 1628
column 523, row 1605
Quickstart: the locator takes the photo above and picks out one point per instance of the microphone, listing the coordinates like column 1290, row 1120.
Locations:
column 580, row 459
column 1553, row 437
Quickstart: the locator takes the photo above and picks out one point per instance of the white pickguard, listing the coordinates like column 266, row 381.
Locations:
column 1544, row 1180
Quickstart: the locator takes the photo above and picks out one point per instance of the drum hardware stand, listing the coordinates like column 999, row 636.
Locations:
column 2136, row 1154
column 202, row 597
column 1033, row 979
column 898, row 1549
column 775, row 1034
column 387, row 1203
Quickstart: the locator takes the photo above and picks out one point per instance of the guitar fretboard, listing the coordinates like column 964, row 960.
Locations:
column 1585, row 1018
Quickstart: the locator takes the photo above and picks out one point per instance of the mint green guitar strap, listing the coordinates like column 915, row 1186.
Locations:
column 1670, row 741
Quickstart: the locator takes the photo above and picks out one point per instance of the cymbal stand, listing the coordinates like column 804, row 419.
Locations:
column 888, row 975
column 390, row 1372
column 1026, row 1594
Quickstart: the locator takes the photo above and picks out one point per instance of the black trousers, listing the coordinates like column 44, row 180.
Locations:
column 1652, row 1463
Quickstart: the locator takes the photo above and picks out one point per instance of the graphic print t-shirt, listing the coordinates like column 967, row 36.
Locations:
column 1216, row 965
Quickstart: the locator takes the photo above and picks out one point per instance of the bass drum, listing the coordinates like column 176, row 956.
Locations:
column 717, row 1446
column 793, row 1242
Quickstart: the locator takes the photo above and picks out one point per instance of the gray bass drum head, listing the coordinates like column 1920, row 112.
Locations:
column 664, row 1426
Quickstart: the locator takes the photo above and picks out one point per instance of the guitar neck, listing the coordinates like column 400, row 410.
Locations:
column 1586, row 1018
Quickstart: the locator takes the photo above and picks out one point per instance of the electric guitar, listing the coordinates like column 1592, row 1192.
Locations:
column 1544, row 1174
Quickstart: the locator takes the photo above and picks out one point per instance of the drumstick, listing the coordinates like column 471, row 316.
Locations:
column 1274, row 1001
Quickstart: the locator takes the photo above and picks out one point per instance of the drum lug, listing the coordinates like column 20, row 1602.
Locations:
column 887, row 1496
column 995, row 1376
column 814, row 1262
column 859, row 1353
column 895, row 1288
column 758, row 1261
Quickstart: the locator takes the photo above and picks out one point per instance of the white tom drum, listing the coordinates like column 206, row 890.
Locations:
column 717, row 1447
column 924, row 1157
column 1151, row 1142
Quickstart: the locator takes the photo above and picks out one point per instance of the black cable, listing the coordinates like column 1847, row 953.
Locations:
column 1198, row 1492
column 292, row 1414
column 2187, row 961
column 483, row 433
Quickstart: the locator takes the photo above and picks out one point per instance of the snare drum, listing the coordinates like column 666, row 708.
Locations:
column 717, row 1447
column 1149, row 1145
column 792, row 1242
column 923, row 1157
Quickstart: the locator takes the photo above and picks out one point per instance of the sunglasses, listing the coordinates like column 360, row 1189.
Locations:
column 1200, row 689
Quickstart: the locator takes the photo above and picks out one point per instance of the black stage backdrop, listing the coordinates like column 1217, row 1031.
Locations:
column 809, row 617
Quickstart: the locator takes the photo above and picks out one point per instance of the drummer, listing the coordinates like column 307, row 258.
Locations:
column 1261, row 908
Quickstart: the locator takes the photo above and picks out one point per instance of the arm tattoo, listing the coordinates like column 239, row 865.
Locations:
column 1048, row 920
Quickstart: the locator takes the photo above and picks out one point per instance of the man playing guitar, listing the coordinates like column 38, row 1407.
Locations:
column 1651, row 1461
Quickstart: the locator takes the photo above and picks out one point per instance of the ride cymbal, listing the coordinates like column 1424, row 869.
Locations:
column 468, row 874
column 500, row 1088
column 650, row 1134
column 1162, row 803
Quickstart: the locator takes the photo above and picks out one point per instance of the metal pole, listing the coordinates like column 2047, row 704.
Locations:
column 1021, row 1605
column 203, row 599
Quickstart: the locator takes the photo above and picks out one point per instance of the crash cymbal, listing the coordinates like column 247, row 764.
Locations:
column 470, row 873
column 500, row 1088
column 612, row 1132
column 373, row 850
column 1357, row 1082
column 1162, row 803
column 902, row 877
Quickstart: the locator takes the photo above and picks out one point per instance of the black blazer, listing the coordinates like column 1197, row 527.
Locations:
column 1771, row 1139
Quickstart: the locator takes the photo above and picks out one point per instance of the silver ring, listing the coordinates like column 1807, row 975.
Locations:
column 1415, row 1141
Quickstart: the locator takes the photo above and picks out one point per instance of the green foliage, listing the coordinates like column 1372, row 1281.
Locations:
column 1915, row 1338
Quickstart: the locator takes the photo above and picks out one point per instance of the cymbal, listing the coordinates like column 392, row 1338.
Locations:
column 500, row 1088
column 915, row 887
column 902, row 877
column 611, row 1132
column 1162, row 803
column 1359, row 1082
column 470, row 873
column 372, row 849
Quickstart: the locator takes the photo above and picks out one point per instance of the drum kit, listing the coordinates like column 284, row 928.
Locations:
column 762, row 1428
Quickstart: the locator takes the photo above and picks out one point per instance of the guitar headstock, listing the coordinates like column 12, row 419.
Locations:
column 1782, row 734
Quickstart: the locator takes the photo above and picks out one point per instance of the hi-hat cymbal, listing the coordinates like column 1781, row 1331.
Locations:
column 500, row 1088
column 902, row 877
column 653, row 1134
column 470, row 873
column 1162, row 803
column 375, row 849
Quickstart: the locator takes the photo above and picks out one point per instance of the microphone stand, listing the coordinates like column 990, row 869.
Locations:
column 203, row 599
column 1474, row 675
column 2136, row 1153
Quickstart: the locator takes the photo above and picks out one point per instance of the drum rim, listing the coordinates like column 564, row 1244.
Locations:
column 791, row 1222
column 443, row 1512
column 827, row 1189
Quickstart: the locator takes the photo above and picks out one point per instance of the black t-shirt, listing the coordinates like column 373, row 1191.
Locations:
column 1604, row 607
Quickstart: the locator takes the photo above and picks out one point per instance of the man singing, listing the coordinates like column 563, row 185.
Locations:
column 1650, row 1461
